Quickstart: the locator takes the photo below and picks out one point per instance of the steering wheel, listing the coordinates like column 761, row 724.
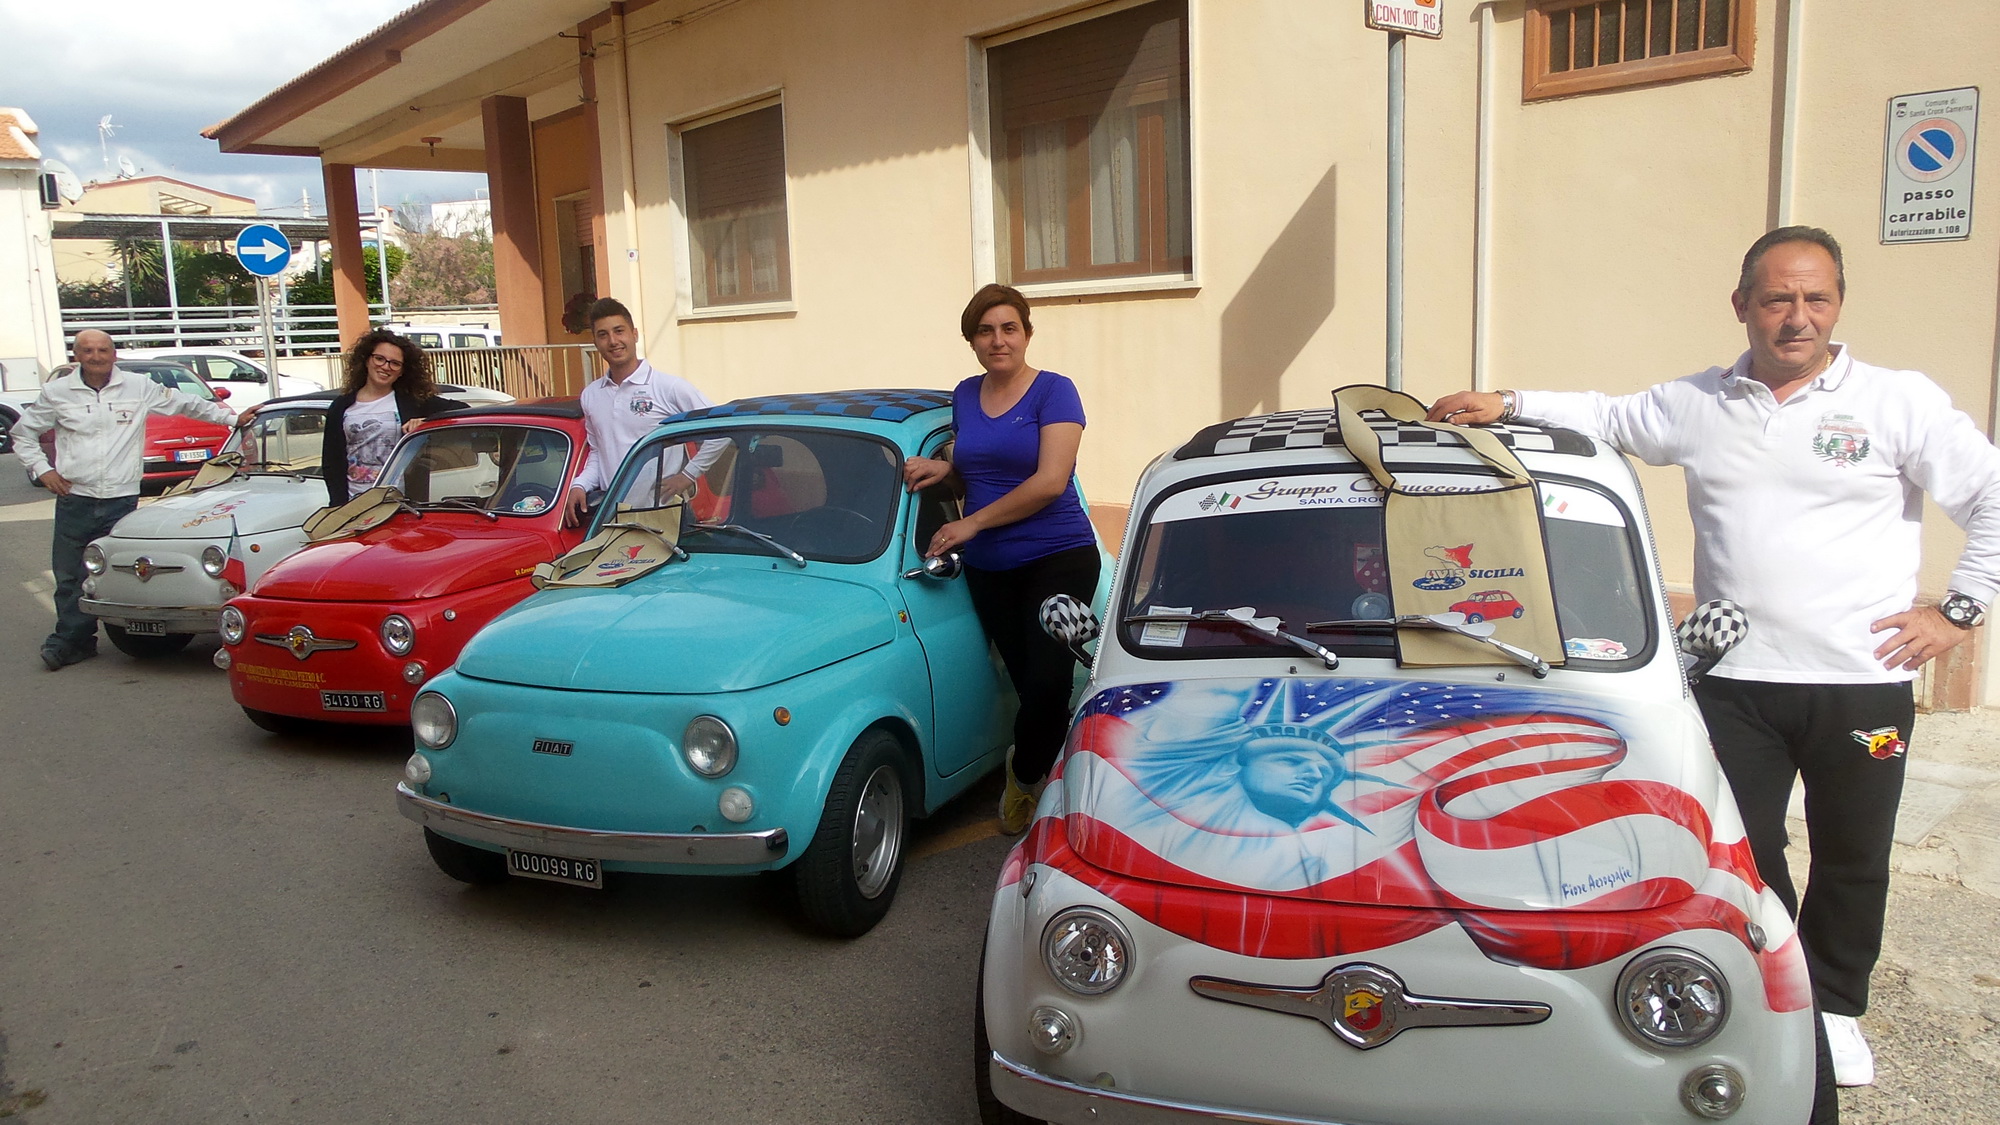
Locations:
column 526, row 490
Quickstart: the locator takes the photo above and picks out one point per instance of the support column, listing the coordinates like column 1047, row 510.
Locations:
column 343, row 223
column 517, row 242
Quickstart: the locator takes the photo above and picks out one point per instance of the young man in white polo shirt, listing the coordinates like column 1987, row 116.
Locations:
column 624, row 404
column 1805, row 471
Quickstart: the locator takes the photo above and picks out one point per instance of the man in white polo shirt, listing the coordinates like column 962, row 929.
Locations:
column 1805, row 471
column 624, row 404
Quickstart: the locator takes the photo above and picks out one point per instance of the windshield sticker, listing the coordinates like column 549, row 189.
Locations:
column 1165, row 634
column 530, row 504
column 1578, row 505
column 1594, row 648
column 1278, row 494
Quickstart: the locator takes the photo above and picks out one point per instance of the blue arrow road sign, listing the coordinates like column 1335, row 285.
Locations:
column 263, row 249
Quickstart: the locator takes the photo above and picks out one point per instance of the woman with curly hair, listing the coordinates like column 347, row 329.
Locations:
column 388, row 390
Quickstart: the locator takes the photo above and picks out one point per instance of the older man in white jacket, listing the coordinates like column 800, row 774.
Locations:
column 99, row 416
column 1805, row 470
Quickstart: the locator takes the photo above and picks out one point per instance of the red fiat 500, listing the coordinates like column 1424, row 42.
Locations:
column 347, row 630
column 1486, row 605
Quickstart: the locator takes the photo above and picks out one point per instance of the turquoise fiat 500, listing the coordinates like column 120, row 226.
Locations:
column 783, row 685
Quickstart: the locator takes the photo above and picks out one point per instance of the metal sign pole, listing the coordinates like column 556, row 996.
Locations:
column 270, row 336
column 1392, row 371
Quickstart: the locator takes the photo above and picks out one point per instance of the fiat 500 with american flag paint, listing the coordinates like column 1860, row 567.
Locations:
column 1283, row 874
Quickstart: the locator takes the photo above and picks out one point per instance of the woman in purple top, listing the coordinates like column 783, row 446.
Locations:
column 1024, row 535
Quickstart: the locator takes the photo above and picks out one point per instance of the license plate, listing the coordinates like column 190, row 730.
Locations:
column 352, row 701
column 191, row 454
column 146, row 628
column 556, row 869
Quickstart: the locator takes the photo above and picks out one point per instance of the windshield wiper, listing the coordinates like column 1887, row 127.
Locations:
column 652, row 531
column 1443, row 622
column 757, row 535
column 1245, row 617
column 460, row 503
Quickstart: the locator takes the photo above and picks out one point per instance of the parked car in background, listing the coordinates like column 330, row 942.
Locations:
column 449, row 335
column 176, row 446
column 786, row 690
column 247, row 380
column 348, row 629
column 1281, row 875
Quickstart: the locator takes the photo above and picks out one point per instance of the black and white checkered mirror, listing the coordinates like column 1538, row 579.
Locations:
column 1068, row 620
column 1708, row 634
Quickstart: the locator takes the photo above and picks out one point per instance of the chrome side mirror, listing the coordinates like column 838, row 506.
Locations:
column 1068, row 620
column 1708, row 633
column 943, row 567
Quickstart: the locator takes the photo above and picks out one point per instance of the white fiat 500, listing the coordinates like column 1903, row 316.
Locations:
column 1282, row 875
column 160, row 578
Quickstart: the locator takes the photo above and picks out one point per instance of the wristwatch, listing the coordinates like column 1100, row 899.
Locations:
column 1962, row 610
column 1509, row 407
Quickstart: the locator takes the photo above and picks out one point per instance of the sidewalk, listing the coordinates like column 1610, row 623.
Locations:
column 1934, row 1016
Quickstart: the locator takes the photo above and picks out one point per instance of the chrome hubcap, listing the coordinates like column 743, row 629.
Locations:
column 878, row 830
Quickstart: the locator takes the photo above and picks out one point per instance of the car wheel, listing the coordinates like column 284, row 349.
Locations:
column 464, row 862
column 1473, row 618
column 7, row 420
column 145, row 647
column 847, row 877
column 992, row 1111
column 275, row 723
column 1518, row 611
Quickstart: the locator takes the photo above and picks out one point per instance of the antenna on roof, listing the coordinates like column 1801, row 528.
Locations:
column 125, row 169
column 67, row 185
column 104, row 130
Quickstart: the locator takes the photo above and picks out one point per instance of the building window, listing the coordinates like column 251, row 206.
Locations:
column 1090, row 148
column 1579, row 46
column 733, row 199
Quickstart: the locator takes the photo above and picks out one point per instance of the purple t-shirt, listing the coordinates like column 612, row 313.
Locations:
column 994, row 455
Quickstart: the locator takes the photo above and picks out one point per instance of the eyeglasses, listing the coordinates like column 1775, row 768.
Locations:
column 390, row 362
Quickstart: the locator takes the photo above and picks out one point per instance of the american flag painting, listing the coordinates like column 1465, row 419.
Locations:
column 1312, row 818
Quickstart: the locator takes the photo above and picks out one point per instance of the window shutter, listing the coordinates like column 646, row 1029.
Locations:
column 736, row 166
column 1127, row 58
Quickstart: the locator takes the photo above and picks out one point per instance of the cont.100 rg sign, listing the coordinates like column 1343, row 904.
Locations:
column 1412, row 17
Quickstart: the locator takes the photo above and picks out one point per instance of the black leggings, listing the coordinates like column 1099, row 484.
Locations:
column 1009, row 603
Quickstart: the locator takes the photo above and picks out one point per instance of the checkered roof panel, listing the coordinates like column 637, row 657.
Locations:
column 882, row 405
column 1311, row 429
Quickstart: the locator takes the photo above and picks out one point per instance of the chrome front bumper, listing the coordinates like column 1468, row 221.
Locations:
column 177, row 618
column 1062, row 1102
column 721, row 849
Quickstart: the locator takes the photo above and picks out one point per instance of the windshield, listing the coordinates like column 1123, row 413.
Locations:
column 281, row 441
column 828, row 495
column 511, row 470
column 1308, row 548
column 176, row 378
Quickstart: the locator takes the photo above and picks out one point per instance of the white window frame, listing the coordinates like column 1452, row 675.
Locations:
column 979, row 148
column 684, row 306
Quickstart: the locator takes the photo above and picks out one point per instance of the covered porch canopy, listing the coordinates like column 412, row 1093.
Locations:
column 448, row 85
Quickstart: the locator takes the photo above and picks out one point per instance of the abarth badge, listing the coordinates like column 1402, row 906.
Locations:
column 1366, row 1005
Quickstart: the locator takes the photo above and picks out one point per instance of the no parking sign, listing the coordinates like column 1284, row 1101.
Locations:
column 1927, row 170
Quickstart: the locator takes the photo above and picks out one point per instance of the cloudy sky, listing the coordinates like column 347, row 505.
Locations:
column 166, row 71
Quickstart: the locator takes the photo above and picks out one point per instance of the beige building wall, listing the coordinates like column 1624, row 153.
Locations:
column 1619, row 217
column 81, row 260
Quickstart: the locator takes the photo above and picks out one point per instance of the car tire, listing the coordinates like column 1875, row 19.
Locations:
column 1473, row 618
column 7, row 420
column 992, row 1111
column 275, row 723
column 464, row 862
column 143, row 647
column 847, row 877
column 1518, row 611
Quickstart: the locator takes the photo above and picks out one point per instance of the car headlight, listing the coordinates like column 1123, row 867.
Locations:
column 1673, row 998
column 1087, row 951
column 709, row 746
column 233, row 625
column 93, row 559
column 398, row 635
column 213, row 560
column 433, row 720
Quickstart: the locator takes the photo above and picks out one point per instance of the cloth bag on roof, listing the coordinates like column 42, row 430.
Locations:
column 1444, row 548
column 370, row 509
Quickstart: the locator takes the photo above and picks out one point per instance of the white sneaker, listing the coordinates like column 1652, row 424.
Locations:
column 1853, row 1062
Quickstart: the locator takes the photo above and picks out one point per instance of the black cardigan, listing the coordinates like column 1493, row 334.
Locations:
column 333, row 452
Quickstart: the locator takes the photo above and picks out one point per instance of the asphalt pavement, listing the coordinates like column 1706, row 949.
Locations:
column 201, row 922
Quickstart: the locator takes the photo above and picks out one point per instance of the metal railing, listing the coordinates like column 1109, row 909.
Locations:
column 300, row 329
column 533, row 371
